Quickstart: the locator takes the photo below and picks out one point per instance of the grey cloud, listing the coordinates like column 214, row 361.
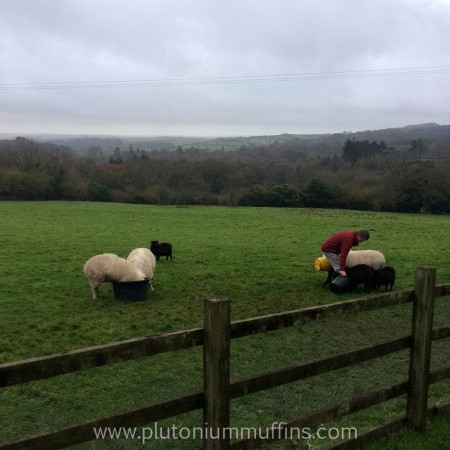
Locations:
column 65, row 41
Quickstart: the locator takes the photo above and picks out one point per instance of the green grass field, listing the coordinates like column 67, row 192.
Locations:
column 262, row 259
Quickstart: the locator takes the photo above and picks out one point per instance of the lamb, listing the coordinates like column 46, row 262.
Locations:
column 144, row 260
column 110, row 267
column 161, row 249
column 372, row 258
column 384, row 277
column 360, row 274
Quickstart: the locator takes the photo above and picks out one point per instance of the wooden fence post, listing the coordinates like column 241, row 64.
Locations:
column 419, row 363
column 216, row 384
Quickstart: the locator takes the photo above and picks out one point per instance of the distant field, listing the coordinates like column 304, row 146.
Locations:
column 262, row 259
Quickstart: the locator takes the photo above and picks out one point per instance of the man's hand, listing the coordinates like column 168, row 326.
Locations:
column 342, row 273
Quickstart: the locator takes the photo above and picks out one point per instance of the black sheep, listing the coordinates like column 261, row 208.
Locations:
column 161, row 249
column 360, row 274
column 384, row 277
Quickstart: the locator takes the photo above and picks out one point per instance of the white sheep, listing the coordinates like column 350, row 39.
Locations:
column 145, row 260
column 372, row 258
column 110, row 267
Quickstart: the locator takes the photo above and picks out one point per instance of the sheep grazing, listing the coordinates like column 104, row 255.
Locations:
column 360, row 274
column 372, row 258
column 384, row 277
column 161, row 249
column 144, row 260
column 110, row 267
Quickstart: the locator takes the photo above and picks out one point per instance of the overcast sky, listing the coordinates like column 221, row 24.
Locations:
column 210, row 68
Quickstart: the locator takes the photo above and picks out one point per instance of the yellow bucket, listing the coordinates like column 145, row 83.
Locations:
column 322, row 263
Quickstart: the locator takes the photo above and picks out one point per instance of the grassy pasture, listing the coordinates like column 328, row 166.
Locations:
column 262, row 259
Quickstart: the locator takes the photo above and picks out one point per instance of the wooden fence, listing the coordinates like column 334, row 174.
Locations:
column 218, row 390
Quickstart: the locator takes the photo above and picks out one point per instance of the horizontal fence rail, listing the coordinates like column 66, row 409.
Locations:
column 58, row 364
column 72, row 361
column 298, row 372
column 84, row 432
column 274, row 322
column 87, row 358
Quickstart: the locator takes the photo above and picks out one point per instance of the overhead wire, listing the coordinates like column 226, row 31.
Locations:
column 221, row 80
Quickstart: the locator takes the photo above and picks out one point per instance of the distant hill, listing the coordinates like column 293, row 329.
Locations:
column 428, row 131
column 431, row 132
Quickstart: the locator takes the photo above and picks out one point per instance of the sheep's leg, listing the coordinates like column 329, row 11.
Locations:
column 95, row 293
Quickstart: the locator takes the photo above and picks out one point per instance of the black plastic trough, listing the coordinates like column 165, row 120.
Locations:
column 131, row 290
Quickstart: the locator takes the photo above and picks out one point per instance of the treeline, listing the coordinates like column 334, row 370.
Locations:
column 363, row 175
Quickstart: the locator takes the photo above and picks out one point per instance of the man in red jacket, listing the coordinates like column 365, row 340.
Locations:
column 336, row 247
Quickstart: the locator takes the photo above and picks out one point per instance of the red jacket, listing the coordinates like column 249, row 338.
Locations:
column 340, row 244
